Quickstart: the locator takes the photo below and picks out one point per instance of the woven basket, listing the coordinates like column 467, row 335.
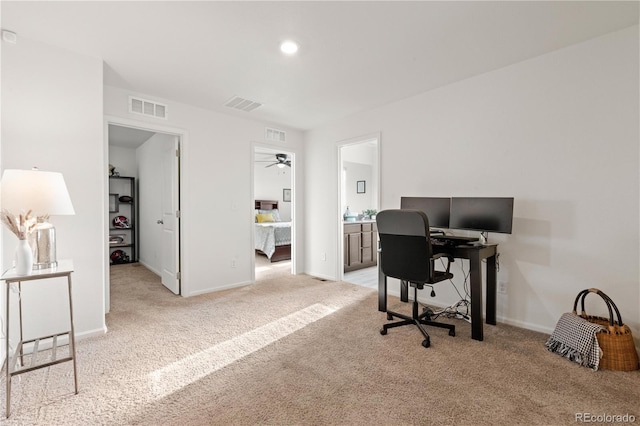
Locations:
column 618, row 349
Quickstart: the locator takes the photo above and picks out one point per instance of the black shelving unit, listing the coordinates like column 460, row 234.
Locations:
column 122, row 237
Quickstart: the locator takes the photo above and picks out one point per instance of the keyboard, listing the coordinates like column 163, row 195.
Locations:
column 451, row 240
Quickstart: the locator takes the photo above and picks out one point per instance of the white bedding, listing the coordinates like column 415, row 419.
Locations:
column 272, row 234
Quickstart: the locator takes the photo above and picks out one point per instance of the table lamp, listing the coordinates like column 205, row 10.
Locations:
column 44, row 194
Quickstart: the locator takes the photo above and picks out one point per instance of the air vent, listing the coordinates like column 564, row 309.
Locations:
column 274, row 135
column 147, row 107
column 242, row 104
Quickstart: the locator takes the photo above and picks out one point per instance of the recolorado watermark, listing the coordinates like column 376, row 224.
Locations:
column 604, row 418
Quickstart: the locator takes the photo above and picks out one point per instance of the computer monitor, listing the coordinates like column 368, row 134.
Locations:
column 484, row 214
column 436, row 209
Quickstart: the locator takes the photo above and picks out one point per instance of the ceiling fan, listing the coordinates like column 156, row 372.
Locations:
column 281, row 161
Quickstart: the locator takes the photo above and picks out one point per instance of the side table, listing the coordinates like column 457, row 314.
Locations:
column 63, row 269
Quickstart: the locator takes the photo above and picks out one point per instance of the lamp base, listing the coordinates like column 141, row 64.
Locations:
column 50, row 265
column 43, row 245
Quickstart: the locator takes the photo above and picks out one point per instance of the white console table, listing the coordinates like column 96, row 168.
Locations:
column 63, row 269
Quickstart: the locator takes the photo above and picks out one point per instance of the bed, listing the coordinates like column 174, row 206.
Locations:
column 272, row 236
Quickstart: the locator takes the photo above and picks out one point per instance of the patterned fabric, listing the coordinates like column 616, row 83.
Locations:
column 575, row 338
column 270, row 235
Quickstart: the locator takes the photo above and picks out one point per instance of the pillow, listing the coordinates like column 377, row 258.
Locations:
column 264, row 217
column 276, row 215
column 274, row 212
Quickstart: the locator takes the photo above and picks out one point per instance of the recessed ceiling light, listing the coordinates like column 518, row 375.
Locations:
column 289, row 47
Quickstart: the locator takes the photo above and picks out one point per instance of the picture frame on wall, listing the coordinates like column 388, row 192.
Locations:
column 361, row 187
column 286, row 195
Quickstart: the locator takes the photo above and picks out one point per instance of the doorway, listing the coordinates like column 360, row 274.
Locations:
column 150, row 156
column 273, row 200
column 359, row 193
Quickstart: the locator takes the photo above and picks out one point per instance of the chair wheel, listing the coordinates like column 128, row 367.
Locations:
column 383, row 331
column 389, row 317
column 452, row 333
column 426, row 342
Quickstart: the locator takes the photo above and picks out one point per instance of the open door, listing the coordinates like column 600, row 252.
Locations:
column 170, row 217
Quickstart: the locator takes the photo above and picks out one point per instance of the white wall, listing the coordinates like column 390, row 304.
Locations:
column 355, row 172
column 216, row 201
column 364, row 152
column 124, row 160
column 268, row 185
column 52, row 118
column 558, row 132
column 149, row 168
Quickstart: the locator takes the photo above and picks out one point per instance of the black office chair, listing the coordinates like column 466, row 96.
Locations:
column 406, row 254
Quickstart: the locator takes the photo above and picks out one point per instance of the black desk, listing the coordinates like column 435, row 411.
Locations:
column 475, row 255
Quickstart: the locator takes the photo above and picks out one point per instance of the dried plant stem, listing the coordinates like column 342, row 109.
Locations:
column 21, row 225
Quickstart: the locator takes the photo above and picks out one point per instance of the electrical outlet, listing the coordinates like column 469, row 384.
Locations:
column 324, row 257
column 502, row 287
column 233, row 263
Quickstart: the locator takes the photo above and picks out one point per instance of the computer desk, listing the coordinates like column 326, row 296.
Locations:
column 475, row 254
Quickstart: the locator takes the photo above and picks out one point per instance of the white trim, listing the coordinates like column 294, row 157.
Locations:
column 159, row 128
column 216, row 289
column 321, row 276
column 294, row 220
column 340, row 235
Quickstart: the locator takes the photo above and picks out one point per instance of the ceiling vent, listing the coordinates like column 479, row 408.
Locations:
column 242, row 104
column 275, row 135
column 147, row 107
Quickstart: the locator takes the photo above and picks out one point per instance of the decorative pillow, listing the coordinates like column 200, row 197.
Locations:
column 264, row 217
column 276, row 215
column 274, row 212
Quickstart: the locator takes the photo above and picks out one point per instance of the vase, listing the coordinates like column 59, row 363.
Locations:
column 24, row 258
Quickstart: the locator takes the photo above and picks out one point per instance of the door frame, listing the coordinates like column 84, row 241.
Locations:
column 182, row 134
column 251, row 219
column 339, row 145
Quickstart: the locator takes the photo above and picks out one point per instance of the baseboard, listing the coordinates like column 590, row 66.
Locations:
column 64, row 340
column 149, row 267
column 499, row 319
column 321, row 276
column 214, row 289
column 525, row 325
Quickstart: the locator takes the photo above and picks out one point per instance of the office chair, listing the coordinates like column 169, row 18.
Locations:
column 406, row 254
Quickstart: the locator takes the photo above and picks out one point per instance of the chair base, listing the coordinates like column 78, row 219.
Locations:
column 418, row 321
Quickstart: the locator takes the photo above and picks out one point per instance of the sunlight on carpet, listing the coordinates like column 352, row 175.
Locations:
column 181, row 373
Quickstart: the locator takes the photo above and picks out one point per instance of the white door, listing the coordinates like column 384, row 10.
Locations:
column 170, row 217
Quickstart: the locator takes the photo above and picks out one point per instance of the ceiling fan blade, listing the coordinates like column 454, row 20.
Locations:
column 270, row 165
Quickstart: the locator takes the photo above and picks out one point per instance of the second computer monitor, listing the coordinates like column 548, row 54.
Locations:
column 485, row 214
column 436, row 209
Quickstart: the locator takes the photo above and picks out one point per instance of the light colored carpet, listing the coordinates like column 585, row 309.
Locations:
column 294, row 350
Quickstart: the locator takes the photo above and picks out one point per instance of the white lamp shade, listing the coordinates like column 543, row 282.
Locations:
column 41, row 192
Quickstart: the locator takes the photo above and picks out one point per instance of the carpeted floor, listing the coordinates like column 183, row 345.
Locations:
column 294, row 350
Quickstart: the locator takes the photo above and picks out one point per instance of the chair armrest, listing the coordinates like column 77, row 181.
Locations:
column 439, row 255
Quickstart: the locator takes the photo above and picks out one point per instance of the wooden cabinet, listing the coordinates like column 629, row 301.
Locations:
column 360, row 241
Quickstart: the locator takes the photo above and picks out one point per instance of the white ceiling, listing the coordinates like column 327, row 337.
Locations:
column 128, row 137
column 353, row 56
